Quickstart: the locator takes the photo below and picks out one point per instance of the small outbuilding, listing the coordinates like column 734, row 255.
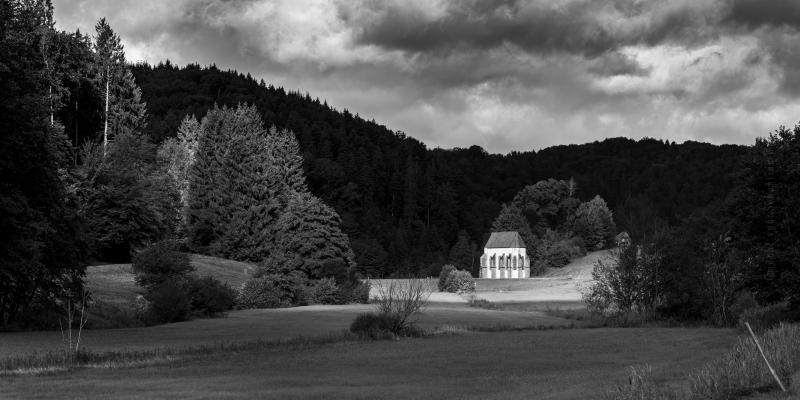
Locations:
column 505, row 257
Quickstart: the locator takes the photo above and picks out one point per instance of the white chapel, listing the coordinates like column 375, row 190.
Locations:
column 504, row 257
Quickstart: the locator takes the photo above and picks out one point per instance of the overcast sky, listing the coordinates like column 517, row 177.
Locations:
column 506, row 75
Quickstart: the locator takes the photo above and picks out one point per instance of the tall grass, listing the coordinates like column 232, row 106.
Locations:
column 738, row 373
column 743, row 370
column 641, row 386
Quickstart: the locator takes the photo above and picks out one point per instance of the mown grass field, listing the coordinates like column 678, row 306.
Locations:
column 548, row 364
column 574, row 363
column 267, row 324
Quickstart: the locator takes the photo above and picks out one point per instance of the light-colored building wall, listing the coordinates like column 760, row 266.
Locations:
column 505, row 263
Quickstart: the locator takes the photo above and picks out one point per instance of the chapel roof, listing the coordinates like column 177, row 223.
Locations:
column 505, row 240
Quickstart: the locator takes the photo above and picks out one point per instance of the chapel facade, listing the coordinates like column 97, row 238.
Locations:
column 504, row 257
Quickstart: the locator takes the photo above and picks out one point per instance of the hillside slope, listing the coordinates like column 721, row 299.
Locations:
column 114, row 283
column 403, row 205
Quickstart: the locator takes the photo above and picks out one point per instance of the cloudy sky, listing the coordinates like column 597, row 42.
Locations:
column 506, row 75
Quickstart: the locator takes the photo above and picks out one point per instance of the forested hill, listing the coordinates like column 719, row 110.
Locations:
column 403, row 204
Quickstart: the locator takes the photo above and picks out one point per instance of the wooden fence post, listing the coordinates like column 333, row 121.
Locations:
column 765, row 357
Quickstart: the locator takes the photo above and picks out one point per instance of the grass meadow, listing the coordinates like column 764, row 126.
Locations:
column 541, row 364
column 510, row 340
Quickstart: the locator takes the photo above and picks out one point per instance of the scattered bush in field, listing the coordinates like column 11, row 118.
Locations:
column 373, row 326
column 158, row 263
column 766, row 317
column 323, row 291
column 483, row 303
column 169, row 302
column 399, row 302
column 459, row 281
column 743, row 370
column 443, row 274
column 209, row 297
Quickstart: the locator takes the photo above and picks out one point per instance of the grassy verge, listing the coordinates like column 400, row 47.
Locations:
column 51, row 362
column 45, row 363
column 740, row 372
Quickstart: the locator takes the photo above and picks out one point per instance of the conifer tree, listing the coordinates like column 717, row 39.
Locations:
column 462, row 252
column 286, row 174
column 124, row 109
column 309, row 231
column 511, row 219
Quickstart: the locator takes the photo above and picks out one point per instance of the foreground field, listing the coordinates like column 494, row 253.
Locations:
column 550, row 364
column 268, row 324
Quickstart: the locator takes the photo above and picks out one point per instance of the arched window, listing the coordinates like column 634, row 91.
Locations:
column 522, row 261
column 493, row 261
column 502, row 261
column 514, row 262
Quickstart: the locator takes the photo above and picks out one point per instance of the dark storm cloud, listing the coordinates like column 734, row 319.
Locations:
column 757, row 13
column 504, row 74
column 583, row 27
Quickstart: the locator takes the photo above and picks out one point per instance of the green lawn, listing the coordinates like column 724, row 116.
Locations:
column 550, row 364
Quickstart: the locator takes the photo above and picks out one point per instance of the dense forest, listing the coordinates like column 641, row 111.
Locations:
column 105, row 161
column 403, row 204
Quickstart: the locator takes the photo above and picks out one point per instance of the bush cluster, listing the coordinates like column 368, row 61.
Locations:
column 160, row 262
column 173, row 293
column 443, row 274
column 459, row 281
column 294, row 289
column 455, row 281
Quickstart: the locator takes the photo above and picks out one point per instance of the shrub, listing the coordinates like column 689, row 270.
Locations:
column 625, row 282
column 459, row 282
column 443, row 274
column 766, row 317
column 209, row 297
column 158, row 263
column 373, row 326
column 169, row 302
column 260, row 293
column 323, row 291
column 399, row 302
column 483, row 303
column 354, row 291
column 555, row 250
column 273, row 291
column 105, row 315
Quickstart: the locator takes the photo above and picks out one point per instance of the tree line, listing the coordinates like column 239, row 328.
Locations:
column 408, row 209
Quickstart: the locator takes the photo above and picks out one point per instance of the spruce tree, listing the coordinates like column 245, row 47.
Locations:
column 511, row 219
column 124, row 109
column 309, row 231
column 462, row 252
column 287, row 169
